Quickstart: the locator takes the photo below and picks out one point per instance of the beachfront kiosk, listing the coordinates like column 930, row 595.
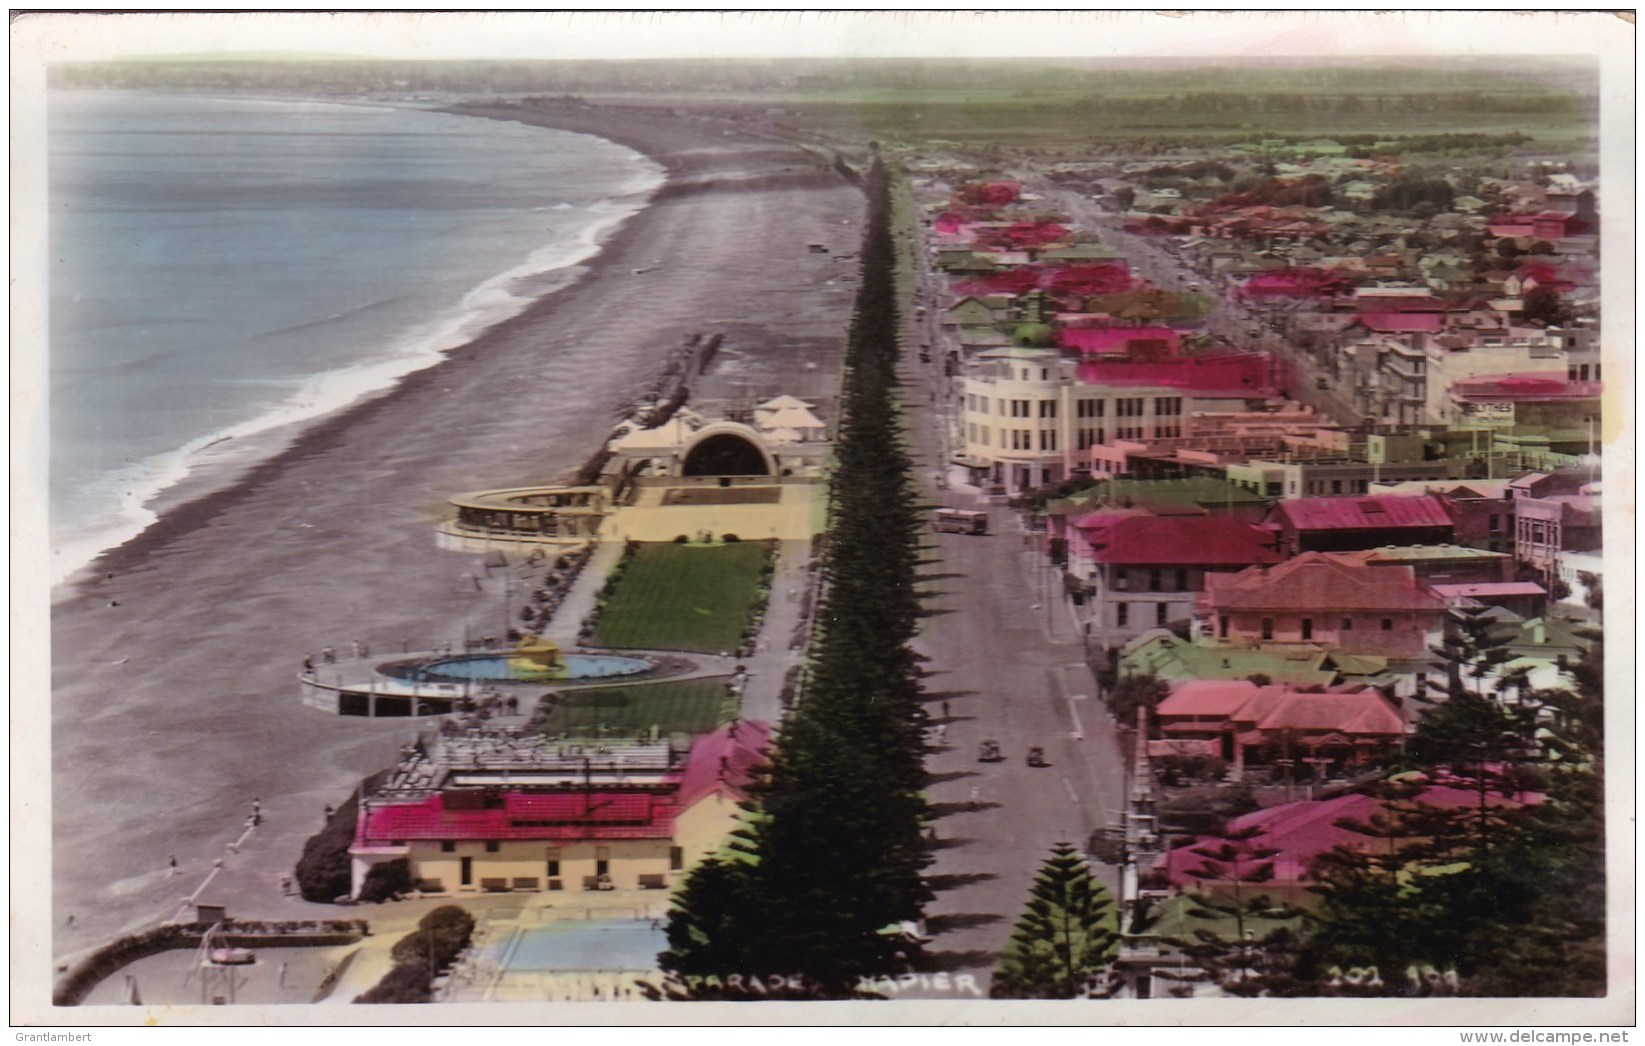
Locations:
column 563, row 517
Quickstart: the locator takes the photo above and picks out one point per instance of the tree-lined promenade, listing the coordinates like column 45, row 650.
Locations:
column 830, row 853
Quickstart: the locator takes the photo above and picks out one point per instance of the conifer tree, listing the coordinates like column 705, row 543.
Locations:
column 1067, row 937
column 1237, row 959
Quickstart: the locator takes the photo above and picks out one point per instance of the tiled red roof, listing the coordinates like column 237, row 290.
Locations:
column 1535, row 385
column 1209, row 698
column 525, row 815
column 1320, row 581
column 1247, row 372
column 704, row 772
column 1403, row 322
column 1362, row 513
column 1105, row 518
column 1093, row 340
column 1303, row 830
column 1361, row 714
column 1197, row 540
column 1249, row 706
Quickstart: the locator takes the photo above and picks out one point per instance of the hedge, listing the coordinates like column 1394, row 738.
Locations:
column 323, row 872
column 440, row 937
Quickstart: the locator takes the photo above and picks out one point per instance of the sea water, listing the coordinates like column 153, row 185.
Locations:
column 222, row 266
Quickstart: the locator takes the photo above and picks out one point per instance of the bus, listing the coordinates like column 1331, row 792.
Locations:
column 959, row 521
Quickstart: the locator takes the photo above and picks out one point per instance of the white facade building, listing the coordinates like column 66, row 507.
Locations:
column 1026, row 419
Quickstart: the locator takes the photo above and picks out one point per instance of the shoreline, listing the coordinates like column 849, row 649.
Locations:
column 219, row 460
column 173, row 684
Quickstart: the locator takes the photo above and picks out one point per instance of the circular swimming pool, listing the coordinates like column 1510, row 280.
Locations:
column 500, row 668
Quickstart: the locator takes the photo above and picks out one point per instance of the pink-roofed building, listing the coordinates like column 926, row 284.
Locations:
column 532, row 818
column 1254, row 724
column 1243, row 370
column 1145, row 571
column 1402, row 322
column 1334, row 601
column 1303, row 830
column 952, row 227
column 1125, row 342
column 1349, row 524
column 1537, row 398
column 1294, row 283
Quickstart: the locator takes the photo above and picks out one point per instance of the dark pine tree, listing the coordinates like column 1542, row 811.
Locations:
column 1067, row 937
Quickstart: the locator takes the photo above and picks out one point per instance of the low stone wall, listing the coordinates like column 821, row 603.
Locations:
column 108, row 960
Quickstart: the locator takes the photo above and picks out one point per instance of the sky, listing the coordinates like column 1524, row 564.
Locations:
column 69, row 36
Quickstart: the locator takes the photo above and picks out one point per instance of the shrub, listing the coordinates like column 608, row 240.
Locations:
column 404, row 983
column 323, row 872
column 681, row 539
column 729, row 538
column 441, row 936
column 449, row 917
column 386, row 880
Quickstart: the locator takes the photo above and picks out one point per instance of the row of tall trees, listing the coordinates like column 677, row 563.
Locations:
column 829, row 857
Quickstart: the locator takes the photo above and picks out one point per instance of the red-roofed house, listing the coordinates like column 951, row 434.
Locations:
column 1302, row 831
column 1538, row 398
column 1402, row 322
column 715, row 783
column 547, row 822
column 1261, row 724
column 1338, row 602
column 1125, row 342
column 1146, row 571
column 1351, row 524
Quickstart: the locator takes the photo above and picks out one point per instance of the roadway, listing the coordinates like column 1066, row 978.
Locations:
column 1005, row 660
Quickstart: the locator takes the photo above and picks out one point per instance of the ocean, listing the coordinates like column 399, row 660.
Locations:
column 219, row 267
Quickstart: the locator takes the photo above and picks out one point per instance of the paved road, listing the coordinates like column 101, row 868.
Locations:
column 1005, row 662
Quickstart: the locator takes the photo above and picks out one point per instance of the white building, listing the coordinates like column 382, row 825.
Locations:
column 1028, row 420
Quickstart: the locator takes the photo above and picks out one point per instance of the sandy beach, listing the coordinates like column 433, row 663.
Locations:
column 174, row 693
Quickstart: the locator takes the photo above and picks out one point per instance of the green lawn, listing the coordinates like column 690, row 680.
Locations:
column 684, row 597
column 690, row 706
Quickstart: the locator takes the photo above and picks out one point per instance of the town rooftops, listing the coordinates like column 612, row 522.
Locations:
column 1320, row 581
column 1361, row 513
column 1303, row 830
column 1403, row 322
column 1535, row 385
column 1425, row 554
column 1203, row 491
column 1092, row 341
column 1269, row 708
column 1243, row 374
column 1159, row 652
column 1197, row 540
column 1494, row 489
